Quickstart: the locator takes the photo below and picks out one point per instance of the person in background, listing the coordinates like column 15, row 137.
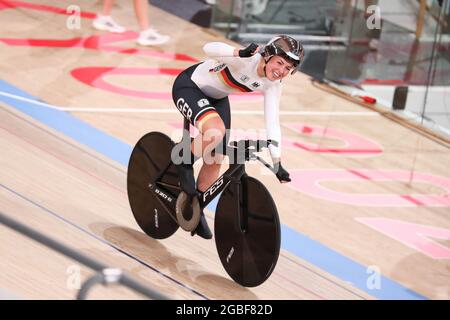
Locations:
column 148, row 36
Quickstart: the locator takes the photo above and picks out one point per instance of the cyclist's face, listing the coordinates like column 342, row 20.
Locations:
column 277, row 68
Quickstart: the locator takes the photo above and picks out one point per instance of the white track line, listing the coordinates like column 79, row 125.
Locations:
column 173, row 110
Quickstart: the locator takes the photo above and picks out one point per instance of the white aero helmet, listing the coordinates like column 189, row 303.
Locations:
column 286, row 47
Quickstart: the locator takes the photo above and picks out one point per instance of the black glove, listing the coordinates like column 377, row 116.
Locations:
column 281, row 173
column 248, row 52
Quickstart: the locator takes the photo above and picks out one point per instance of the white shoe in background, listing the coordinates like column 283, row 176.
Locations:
column 151, row 37
column 106, row 23
column 374, row 44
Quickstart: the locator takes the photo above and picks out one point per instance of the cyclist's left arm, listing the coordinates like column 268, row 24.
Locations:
column 272, row 120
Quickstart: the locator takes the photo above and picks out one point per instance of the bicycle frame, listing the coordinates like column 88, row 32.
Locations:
column 232, row 175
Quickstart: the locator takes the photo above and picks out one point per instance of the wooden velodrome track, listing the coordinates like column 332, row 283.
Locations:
column 365, row 217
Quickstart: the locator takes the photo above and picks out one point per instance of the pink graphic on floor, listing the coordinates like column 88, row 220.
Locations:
column 412, row 235
column 94, row 75
column 354, row 145
column 309, row 182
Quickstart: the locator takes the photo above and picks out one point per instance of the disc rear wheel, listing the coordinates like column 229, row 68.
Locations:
column 151, row 156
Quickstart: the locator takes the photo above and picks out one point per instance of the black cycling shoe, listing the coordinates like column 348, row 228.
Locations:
column 202, row 229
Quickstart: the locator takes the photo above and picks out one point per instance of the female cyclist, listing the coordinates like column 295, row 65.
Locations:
column 201, row 94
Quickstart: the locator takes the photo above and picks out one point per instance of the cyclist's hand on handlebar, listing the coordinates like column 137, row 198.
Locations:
column 281, row 173
column 249, row 51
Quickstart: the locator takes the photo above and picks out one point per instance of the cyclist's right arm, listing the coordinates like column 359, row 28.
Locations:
column 220, row 50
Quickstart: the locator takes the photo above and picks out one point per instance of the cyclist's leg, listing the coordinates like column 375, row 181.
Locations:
column 186, row 95
column 195, row 107
column 211, row 169
column 213, row 138
column 212, row 131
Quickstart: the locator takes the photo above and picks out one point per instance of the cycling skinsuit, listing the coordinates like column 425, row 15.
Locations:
column 201, row 91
